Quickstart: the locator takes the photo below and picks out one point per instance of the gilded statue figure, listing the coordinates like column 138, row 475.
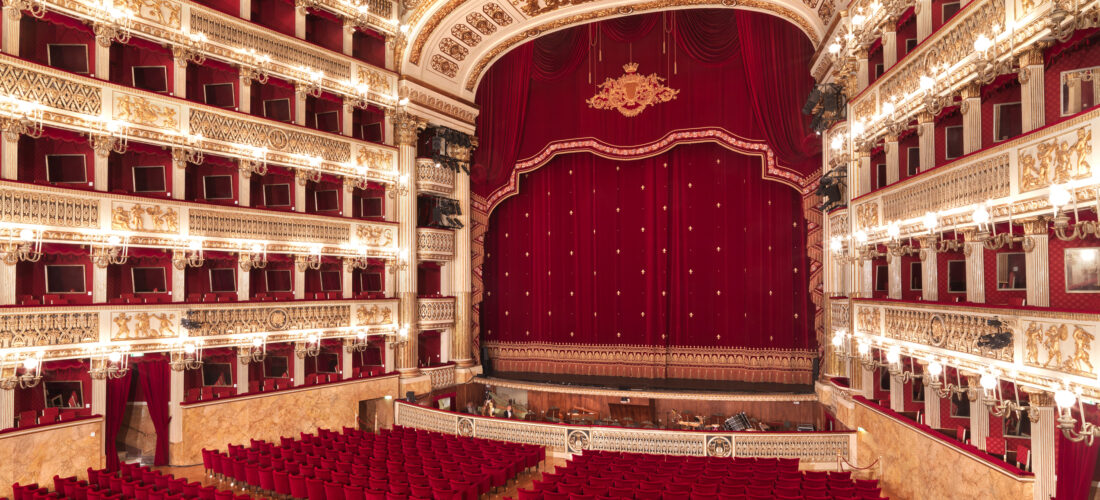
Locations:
column 143, row 330
column 1082, row 344
column 1034, row 336
column 1053, row 344
column 122, row 321
column 165, row 328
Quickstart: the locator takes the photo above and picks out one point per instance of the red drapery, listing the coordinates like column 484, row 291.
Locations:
column 154, row 375
column 118, row 392
column 658, row 257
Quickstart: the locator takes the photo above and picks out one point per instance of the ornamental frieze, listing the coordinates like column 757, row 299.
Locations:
column 50, row 88
column 1065, row 347
column 223, row 127
column 165, row 13
column 960, row 185
column 144, row 218
column 867, row 215
column 48, row 329
column 375, row 315
column 238, row 320
column 1057, row 160
column 48, row 209
column 376, row 235
column 947, row 330
column 868, row 320
column 235, row 225
column 141, row 111
column 143, row 325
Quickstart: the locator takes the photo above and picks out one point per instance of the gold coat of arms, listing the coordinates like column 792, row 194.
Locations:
column 631, row 93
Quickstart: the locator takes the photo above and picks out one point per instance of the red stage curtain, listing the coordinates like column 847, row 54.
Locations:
column 118, row 392
column 1075, row 463
column 535, row 94
column 687, row 248
column 154, row 375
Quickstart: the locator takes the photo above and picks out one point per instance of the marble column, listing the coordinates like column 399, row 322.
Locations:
column 175, row 397
column 929, row 267
column 889, row 43
column 1037, row 261
column 300, row 11
column 406, row 129
column 975, row 267
column 971, row 109
column 244, row 284
column 894, row 276
column 179, row 77
column 300, row 263
column 300, row 368
column 301, row 177
column 246, row 10
column 7, row 397
column 9, row 25
column 242, row 372
column 864, row 172
column 349, row 38
column 979, row 415
column 1043, row 434
column 244, row 87
column 931, row 401
column 9, row 156
column 893, row 158
column 1031, row 89
column 300, row 94
column 179, row 173
column 460, row 282
column 923, row 10
column 926, row 133
column 863, row 76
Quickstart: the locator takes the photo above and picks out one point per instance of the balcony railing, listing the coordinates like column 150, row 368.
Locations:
column 442, row 376
column 1048, row 348
column 65, row 216
column 85, row 104
column 78, row 331
column 436, row 312
column 229, row 38
column 434, row 179
column 435, row 244
column 1013, row 179
column 812, row 448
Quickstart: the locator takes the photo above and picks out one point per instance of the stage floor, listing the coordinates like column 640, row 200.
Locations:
column 626, row 383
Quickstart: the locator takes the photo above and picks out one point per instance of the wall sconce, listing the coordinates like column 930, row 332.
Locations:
column 195, row 50
column 942, row 388
column 255, row 259
column 988, row 67
column 255, row 67
column 191, row 257
column 359, row 262
column 931, row 100
column 109, row 365
column 10, row 378
column 113, row 23
column 1000, row 407
column 1060, row 197
column 867, row 356
column 401, row 338
column 311, row 347
column 1065, row 400
column 358, row 343
column 255, row 352
column 311, row 261
column 305, row 176
column 312, row 87
column 401, row 187
column 36, row 8
column 931, row 221
column 116, row 252
column 113, row 138
column 361, row 96
column 894, row 246
column 27, row 247
column 400, row 262
column 21, row 117
column 897, row 369
column 186, row 356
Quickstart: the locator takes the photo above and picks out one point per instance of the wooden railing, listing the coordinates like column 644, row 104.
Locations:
column 815, row 449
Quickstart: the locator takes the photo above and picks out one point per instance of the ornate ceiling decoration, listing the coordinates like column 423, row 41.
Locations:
column 451, row 43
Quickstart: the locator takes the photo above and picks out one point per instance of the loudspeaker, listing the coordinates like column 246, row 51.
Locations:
column 486, row 363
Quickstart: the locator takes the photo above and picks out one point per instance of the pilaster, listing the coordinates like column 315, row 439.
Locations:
column 244, row 283
column 863, row 77
column 864, row 172
column 175, row 413
column 299, row 277
column 979, row 415
column 975, row 267
column 245, row 170
column 7, row 396
column 897, row 393
column 971, row 109
column 866, row 277
column 179, row 174
column 929, row 267
column 347, row 121
column 931, row 402
column 99, row 284
column 300, row 94
column 346, row 363
column 7, row 285
column 1043, row 434
column 406, row 129
column 1037, row 259
column 100, row 164
column 301, row 178
column 923, row 10
column 299, row 370
column 242, row 381
column 349, row 38
column 246, row 10
column 9, row 155
column 926, row 134
column 244, row 90
column 868, row 382
column 894, row 276
column 179, row 77
column 461, row 277
column 889, row 44
column 893, row 159
column 179, row 282
column 347, row 274
column 9, row 25
column 1031, row 89
column 102, row 60
column 300, row 12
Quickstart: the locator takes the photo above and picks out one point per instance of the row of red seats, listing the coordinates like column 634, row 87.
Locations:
column 130, row 482
column 275, row 384
column 50, row 415
column 354, row 465
column 607, row 475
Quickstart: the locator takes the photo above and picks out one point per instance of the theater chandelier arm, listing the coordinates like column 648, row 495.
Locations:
column 399, row 339
column 401, row 188
column 36, row 8
column 112, row 137
column 999, row 407
column 310, row 261
column 255, row 352
column 27, row 247
column 10, row 378
column 115, row 253
column 357, row 262
column 186, row 356
column 894, row 247
column 311, row 347
column 895, row 367
column 357, row 344
column 113, row 22
column 109, row 364
column 943, row 388
column 21, row 117
column 256, row 65
column 255, row 258
column 1065, row 400
column 193, row 52
column 191, row 257
column 400, row 263
column 1060, row 197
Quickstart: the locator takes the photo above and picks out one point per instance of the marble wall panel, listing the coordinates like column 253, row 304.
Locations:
column 36, row 455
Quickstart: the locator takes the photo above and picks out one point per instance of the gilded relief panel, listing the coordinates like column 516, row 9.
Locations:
column 952, row 331
column 144, row 218
column 1057, row 160
column 48, row 329
column 1066, row 347
column 137, row 110
column 143, row 325
column 49, row 90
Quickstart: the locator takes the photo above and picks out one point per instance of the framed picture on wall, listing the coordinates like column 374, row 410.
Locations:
column 960, row 405
column 277, row 195
column 1082, row 270
column 916, row 276
column 151, row 78
column 327, row 200
column 882, row 278
column 149, row 179
column 327, row 121
column 217, row 187
column 277, row 109
column 223, row 280
column 220, row 95
column 276, row 367
column 66, row 169
column 918, row 389
column 65, row 279
column 1011, row 271
column 68, row 56
column 1016, row 426
column 278, row 280
column 148, row 279
column 372, row 132
column 956, row 276
column 64, row 394
column 217, row 374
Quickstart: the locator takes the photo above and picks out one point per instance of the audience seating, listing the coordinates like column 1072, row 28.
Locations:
column 355, row 465
column 131, row 481
column 601, row 475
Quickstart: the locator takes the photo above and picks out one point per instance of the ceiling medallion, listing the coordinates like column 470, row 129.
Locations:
column 631, row 93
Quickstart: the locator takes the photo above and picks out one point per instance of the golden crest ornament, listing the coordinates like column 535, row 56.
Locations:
column 631, row 93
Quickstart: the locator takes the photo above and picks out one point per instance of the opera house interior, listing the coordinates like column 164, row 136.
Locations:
column 489, row 249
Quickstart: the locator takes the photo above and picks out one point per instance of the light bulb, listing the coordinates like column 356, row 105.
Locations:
column 894, row 230
column 834, row 48
column 861, row 236
column 980, row 215
column 935, row 369
column 1059, row 196
column 838, row 142
column 114, row 357
column 194, row 244
column 893, row 355
column 983, row 43
column 988, row 381
column 30, row 363
column 858, row 19
column 864, row 348
column 26, row 235
column 315, row 249
column 312, row 339
column 927, row 83
column 837, row 340
column 257, row 248
column 835, row 245
column 1064, row 398
column 114, row 241
column 257, row 342
column 931, row 221
column 189, row 348
column 887, row 108
column 857, row 128
column 360, row 335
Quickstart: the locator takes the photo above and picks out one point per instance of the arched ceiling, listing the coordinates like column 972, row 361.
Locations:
column 451, row 43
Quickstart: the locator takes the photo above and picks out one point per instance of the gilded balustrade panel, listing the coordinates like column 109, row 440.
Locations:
column 235, row 320
column 961, row 185
column 840, row 314
column 47, row 208
column 425, row 419
column 820, row 448
column 954, row 331
column 436, row 311
column 434, row 179
column 39, row 329
column 291, row 228
column 434, row 244
column 838, row 223
column 49, row 87
column 442, row 377
column 665, row 442
column 287, row 140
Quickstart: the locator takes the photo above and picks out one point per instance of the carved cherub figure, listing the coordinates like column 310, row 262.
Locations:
column 1034, row 336
column 1053, row 344
column 122, row 321
column 1082, row 345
